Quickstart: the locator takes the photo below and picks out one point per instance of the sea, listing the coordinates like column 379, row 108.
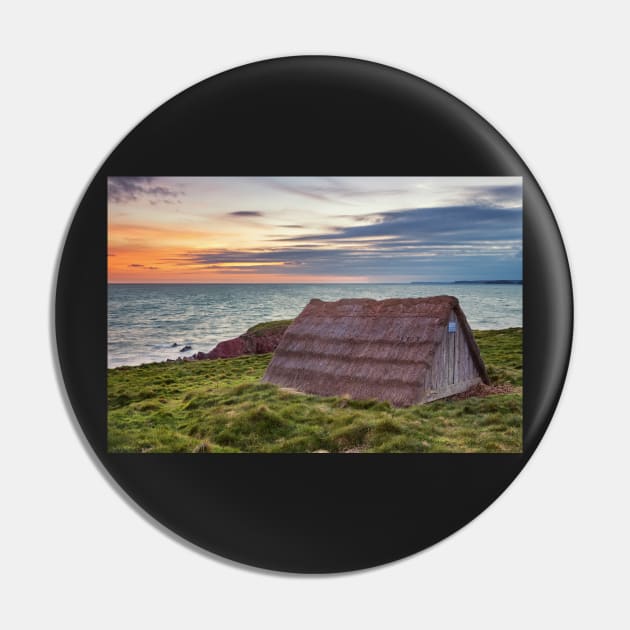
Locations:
column 155, row 322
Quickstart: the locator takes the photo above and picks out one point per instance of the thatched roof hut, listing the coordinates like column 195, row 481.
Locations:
column 406, row 351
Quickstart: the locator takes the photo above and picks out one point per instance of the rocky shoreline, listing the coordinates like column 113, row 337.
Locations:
column 259, row 339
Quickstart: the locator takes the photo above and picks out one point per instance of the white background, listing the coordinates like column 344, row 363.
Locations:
column 552, row 77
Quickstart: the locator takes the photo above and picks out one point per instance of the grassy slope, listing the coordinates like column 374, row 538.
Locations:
column 220, row 406
column 268, row 327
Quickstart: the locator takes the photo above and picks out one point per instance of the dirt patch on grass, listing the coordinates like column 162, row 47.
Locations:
column 482, row 390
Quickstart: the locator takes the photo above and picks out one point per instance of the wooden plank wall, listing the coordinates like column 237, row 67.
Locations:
column 453, row 369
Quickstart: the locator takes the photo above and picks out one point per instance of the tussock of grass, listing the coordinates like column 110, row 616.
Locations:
column 268, row 327
column 502, row 351
column 222, row 407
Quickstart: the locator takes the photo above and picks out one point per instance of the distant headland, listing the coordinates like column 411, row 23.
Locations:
column 474, row 282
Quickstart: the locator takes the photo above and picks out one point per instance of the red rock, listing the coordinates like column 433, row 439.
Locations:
column 245, row 344
column 267, row 343
column 229, row 348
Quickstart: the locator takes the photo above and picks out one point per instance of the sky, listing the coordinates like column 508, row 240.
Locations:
column 314, row 229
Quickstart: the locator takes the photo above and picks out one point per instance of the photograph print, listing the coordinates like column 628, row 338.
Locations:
column 320, row 315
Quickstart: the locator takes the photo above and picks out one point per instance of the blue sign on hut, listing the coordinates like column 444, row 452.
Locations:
column 406, row 351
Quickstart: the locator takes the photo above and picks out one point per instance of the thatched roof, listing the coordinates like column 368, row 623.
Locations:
column 365, row 348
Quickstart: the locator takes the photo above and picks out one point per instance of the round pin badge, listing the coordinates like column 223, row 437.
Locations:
column 313, row 314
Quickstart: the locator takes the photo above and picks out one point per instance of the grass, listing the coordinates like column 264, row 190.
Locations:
column 222, row 407
column 268, row 327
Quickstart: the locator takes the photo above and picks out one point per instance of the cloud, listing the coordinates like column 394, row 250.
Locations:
column 246, row 213
column 439, row 243
column 494, row 196
column 380, row 228
column 384, row 263
column 126, row 189
column 353, row 190
column 329, row 189
column 438, row 226
column 138, row 266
